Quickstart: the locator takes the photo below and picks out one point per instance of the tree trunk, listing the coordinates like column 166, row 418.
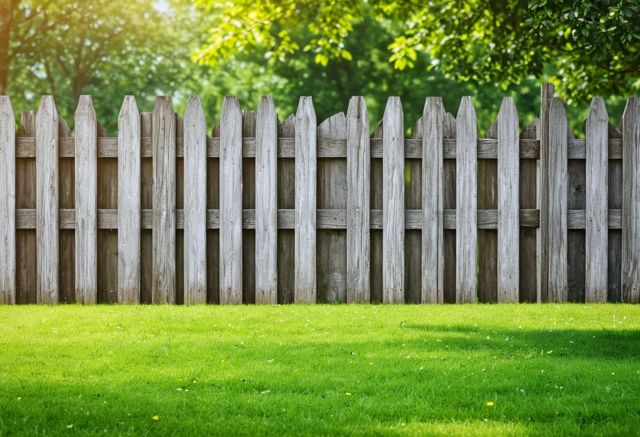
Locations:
column 6, row 20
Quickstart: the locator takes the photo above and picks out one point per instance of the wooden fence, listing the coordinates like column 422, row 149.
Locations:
column 270, row 212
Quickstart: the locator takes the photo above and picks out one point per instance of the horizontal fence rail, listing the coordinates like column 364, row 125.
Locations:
column 262, row 211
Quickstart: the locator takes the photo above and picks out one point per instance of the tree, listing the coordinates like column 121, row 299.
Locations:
column 587, row 47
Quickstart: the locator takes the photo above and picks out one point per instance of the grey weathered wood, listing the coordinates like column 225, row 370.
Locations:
column 195, row 203
column 466, row 203
column 86, row 202
column 542, row 236
column 558, row 180
column 432, row 201
column 528, row 200
column 358, row 202
column 631, row 201
column 266, row 258
column 47, row 194
column 286, row 199
column 231, row 202
column 393, row 202
column 331, row 252
column 597, row 183
column 163, row 286
column 7, row 202
column 508, row 202
column 129, row 202
column 305, row 201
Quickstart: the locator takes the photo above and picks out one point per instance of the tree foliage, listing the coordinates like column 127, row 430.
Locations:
column 587, row 47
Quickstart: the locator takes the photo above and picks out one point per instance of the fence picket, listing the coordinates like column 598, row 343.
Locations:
column 558, row 181
column 597, row 183
column 466, row 203
column 266, row 203
column 129, row 202
column 163, row 286
column 195, row 203
column 631, row 201
column 508, row 202
column 47, row 194
column 358, row 201
column 305, row 202
column 393, row 202
column 86, row 195
column 231, row 202
column 7, row 202
column 432, row 201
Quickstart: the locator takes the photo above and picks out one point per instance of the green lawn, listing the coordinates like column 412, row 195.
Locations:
column 387, row 370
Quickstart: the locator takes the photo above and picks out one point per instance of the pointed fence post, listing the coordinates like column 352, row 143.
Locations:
column 597, row 191
column 7, row 202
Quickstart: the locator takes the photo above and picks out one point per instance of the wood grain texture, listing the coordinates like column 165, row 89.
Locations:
column 432, row 201
column 543, row 169
column 195, row 203
column 129, row 202
column 86, row 202
column 231, row 202
column 358, row 202
column 597, row 188
column 393, row 203
column 528, row 246
column 331, row 253
column 631, row 201
column 266, row 256
column 7, row 202
column 466, row 204
column 47, row 194
column 286, row 199
column 163, row 286
column 305, row 201
column 248, row 201
column 558, row 181
column 508, row 202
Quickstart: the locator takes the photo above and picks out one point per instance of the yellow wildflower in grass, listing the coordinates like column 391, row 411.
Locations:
column 156, row 418
column 490, row 404
column 347, row 394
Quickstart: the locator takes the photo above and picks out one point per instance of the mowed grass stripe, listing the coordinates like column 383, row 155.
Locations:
column 310, row 370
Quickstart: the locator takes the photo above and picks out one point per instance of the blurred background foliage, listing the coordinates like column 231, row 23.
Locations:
column 329, row 49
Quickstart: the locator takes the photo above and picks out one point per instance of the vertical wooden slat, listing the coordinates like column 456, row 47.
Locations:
column 195, row 203
column 528, row 236
column 331, row 251
column 47, row 193
column 614, row 239
column 266, row 203
column 449, row 202
column 286, row 200
column 631, row 201
column 164, row 202
column 558, row 180
column 7, row 202
column 86, row 192
column 305, row 185
column 358, row 202
column 377, row 184
column 66, row 237
column 393, row 202
column 129, row 202
column 466, row 203
column 231, row 202
column 542, row 235
column 432, row 201
column 596, row 249
column 248, row 202
column 508, row 202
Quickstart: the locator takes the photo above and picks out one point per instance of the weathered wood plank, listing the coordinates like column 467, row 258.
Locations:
column 248, row 202
column 542, row 190
column 164, row 202
column 195, row 203
column 631, row 201
column 597, row 182
column 305, row 201
column 466, row 203
column 488, row 239
column 266, row 258
column 7, row 202
column 528, row 248
column 86, row 197
column 393, row 203
column 231, row 202
column 47, row 193
column 508, row 203
column 432, row 201
column 129, row 202
column 286, row 200
column 558, row 181
column 358, row 202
